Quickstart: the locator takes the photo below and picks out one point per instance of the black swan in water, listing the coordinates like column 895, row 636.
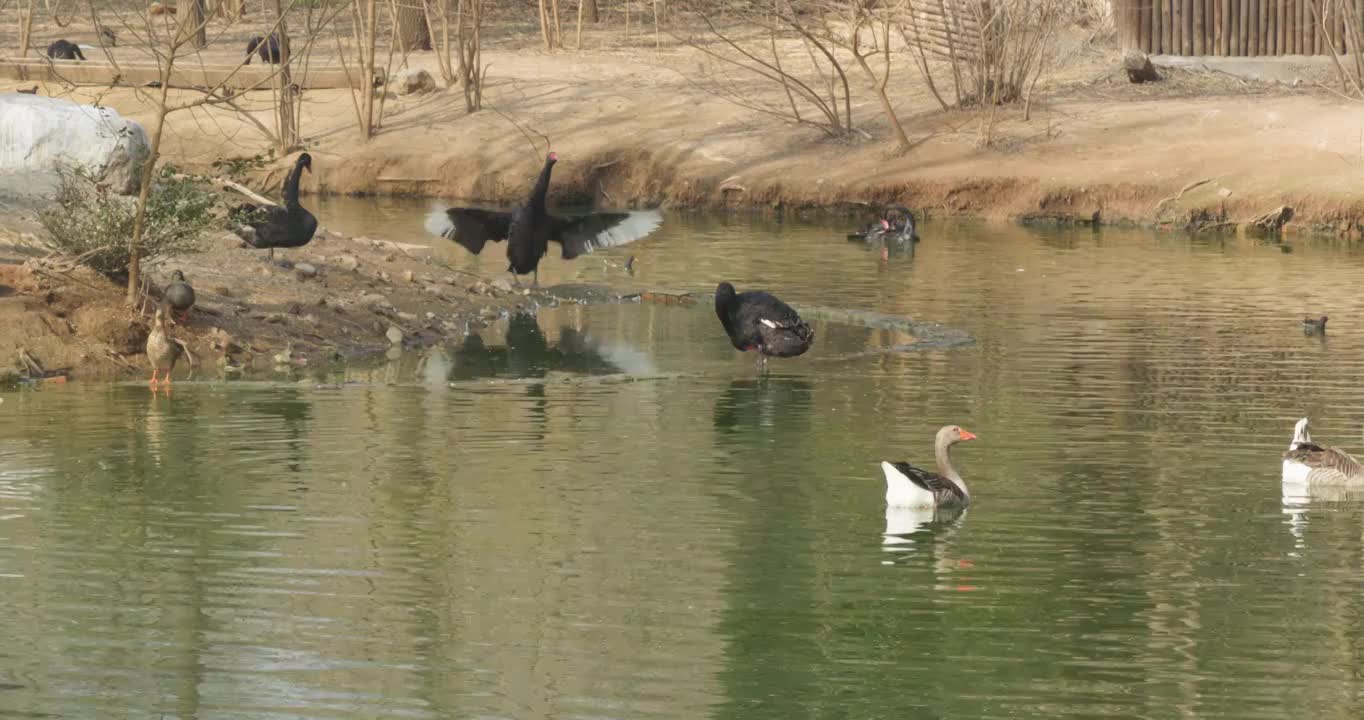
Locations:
column 64, row 50
column 180, row 295
column 756, row 320
column 530, row 228
column 267, row 48
column 271, row 226
column 1314, row 326
column 890, row 228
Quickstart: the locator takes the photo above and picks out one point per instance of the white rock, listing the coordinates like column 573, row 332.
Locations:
column 38, row 134
column 415, row 82
column 394, row 335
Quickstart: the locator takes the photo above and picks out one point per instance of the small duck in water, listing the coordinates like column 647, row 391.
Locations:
column 1314, row 326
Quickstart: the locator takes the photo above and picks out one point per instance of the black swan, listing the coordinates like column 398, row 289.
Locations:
column 756, row 320
column 271, row 226
column 180, row 295
column 266, row 48
column 1314, row 326
column 889, row 228
column 530, row 228
column 912, row 487
column 63, row 50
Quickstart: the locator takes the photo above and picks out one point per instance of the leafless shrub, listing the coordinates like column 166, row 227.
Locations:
column 748, row 39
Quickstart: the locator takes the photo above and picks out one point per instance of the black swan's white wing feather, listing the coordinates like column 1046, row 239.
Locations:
column 581, row 234
column 472, row 228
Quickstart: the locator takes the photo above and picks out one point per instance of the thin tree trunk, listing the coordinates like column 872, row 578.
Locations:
column 367, row 71
column 25, row 28
column 287, row 129
column 145, row 190
column 189, row 15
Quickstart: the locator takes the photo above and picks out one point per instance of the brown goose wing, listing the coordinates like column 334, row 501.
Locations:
column 1327, row 464
column 943, row 489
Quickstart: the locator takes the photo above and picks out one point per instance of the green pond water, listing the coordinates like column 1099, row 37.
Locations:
column 507, row 528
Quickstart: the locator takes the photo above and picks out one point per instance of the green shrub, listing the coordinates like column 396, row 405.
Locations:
column 89, row 224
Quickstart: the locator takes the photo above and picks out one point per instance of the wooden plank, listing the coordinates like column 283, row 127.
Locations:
column 1167, row 26
column 1198, row 37
column 1243, row 29
column 1156, row 30
column 1253, row 23
column 1224, row 26
column 1144, row 13
column 1291, row 32
column 1188, row 27
column 92, row 72
column 1270, row 15
column 1210, row 26
column 1278, row 27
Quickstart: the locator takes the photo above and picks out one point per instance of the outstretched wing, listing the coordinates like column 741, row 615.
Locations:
column 470, row 227
column 930, row 481
column 581, row 234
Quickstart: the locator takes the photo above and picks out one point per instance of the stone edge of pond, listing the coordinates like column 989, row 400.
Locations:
column 929, row 335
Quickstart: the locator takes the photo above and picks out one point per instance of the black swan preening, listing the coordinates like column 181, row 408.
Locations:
column 63, row 50
column 890, row 228
column 530, row 228
column 756, row 320
column 266, row 48
column 180, row 295
column 271, row 226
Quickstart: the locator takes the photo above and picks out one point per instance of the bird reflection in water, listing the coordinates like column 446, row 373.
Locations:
column 527, row 353
column 918, row 536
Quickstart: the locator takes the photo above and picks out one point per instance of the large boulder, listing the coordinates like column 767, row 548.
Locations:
column 416, row 82
column 39, row 134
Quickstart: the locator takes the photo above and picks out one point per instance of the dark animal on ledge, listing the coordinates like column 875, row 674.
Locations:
column 266, row 48
column 63, row 50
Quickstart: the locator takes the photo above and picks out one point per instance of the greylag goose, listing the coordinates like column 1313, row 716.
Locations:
column 163, row 349
column 909, row 486
column 1314, row 326
column 1305, row 462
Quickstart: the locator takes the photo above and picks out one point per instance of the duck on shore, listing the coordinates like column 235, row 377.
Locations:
column 180, row 295
column 913, row 487
column 163, row 350
column 756, row 320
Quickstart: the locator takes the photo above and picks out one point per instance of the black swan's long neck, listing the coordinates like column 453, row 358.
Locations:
column 291, row 187
column 537, row 195
column 724, row 305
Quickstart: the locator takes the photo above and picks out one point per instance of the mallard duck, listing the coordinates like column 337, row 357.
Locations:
column 909, row 486
column 180, row 295
column 1305, row 462
column 162, row 349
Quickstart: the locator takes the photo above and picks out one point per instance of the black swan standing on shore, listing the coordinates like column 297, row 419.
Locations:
column 266, row 48
column 64, row 50
column 271, row 226
column 530, row 228
column 756, row 320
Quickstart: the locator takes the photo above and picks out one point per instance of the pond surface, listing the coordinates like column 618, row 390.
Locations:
column 513, row 531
